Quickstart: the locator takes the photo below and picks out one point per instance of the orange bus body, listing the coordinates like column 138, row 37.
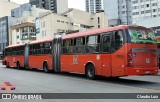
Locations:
column 10, row 61
column 37, row 61
column 114, row 64
column 129, row 59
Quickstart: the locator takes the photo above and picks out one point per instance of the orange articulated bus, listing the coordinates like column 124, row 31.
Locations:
column 110, row 52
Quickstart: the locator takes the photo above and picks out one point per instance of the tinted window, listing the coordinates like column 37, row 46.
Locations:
column 117, row 40
column 92, row 44
column 106, row 43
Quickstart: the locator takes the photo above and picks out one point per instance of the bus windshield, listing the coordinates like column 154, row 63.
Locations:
column 142, row 36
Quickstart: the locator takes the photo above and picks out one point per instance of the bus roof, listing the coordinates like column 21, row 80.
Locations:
column 32, row 42
column 11, row 46
column 42, row 40
column 96, row 31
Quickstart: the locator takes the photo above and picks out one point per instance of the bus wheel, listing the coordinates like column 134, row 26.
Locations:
column 45, row 67
column 18, row 65
column 90, row 72
column 7, row 64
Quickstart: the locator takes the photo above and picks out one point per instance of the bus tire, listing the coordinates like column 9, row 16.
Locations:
column 18, row 66
column 45, row 67
column 7, row 64
column 90, row 72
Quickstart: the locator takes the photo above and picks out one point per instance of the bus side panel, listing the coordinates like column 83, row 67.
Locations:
column 118, row 62
column 106, row 65
column 37, row 61
column 77, row 63
column 12, row 61
column 20, row 59
column 67, row 63
column 80, row 62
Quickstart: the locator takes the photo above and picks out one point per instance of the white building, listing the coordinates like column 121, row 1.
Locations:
column 51, row 24
column 24, row 29
column 6, row 7
column 124, row 9
column 94, row 6
column 145, row 9
column 118, row 11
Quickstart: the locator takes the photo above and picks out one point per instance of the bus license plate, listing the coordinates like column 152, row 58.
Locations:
column 147, row 72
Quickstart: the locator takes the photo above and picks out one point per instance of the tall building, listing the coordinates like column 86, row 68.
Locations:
column 145, row 9
column 118, row 11
column 18, row 12
column 124, row 9
column 111, row 8
column 94, row 6
column 5, row 23
column 56, row 6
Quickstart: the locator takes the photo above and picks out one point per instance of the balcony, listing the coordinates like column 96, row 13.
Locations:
column 22, row 20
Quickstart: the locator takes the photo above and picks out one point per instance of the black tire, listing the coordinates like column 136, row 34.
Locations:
column 45, row 67
column 7, row 64
column 18, row 66
column 90, row 72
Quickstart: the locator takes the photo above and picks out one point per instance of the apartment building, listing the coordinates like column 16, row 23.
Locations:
column 5, row 22
column 145, row 9
column 117, row 11
column 94, row 6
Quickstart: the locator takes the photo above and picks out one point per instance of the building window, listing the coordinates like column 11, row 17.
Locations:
column 147, row 5
column 17, row 36
column 148, row 11
column 142, row 6
column 154, row 10
column 98, row 20
column 154, row 4
column 154, row 15
column 142, row 12
column 44, row 24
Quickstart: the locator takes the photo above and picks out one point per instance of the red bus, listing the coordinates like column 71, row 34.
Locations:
column 110, row 52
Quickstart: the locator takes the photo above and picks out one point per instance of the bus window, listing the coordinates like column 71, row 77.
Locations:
column 92, row 44
column 68, row 46
column 117, row 40
column 78, row 45
column 47, row 48
column 106, row 43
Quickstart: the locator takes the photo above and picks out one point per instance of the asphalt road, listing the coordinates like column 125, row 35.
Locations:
column 35, row 81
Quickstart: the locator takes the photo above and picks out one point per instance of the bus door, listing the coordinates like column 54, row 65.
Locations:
column 56, row 53
column 106, row 56
column 117, row 54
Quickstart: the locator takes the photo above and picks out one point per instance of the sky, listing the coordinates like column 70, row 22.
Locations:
column 78, row 4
